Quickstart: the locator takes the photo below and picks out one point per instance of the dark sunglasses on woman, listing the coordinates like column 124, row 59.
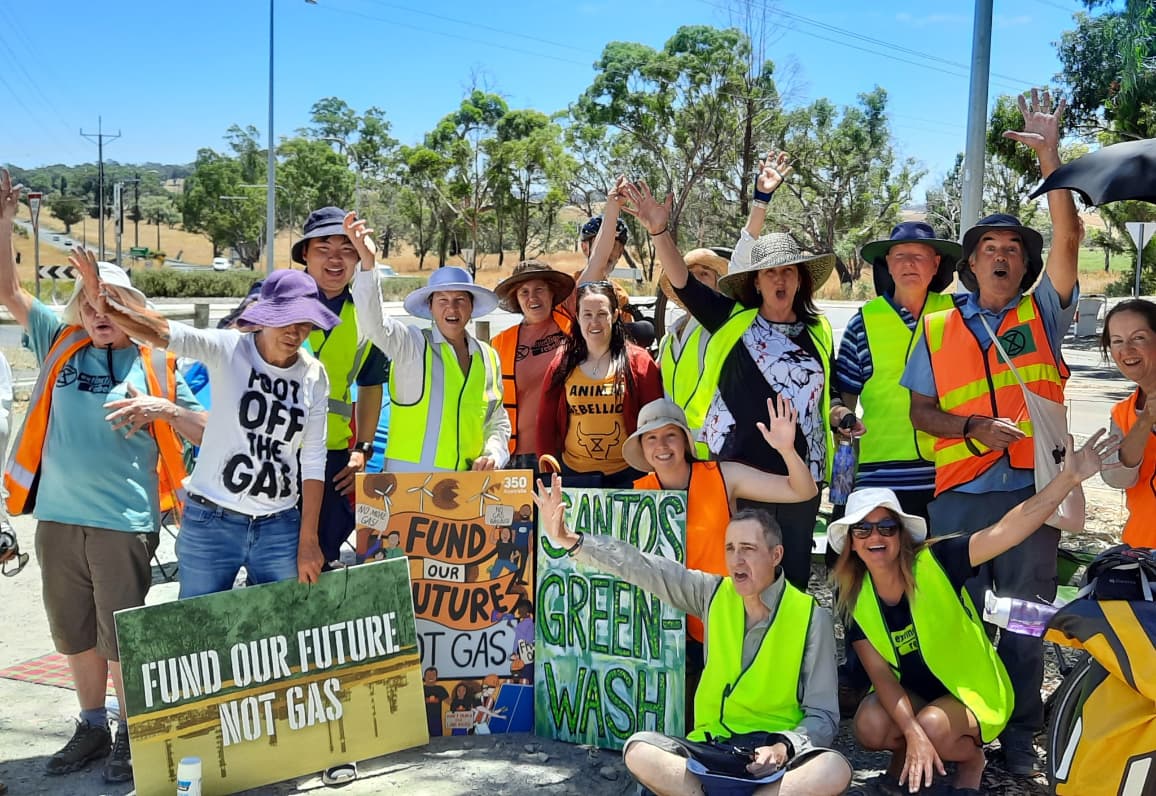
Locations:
column 862, row 530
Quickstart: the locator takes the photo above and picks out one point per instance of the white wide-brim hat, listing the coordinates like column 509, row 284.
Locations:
column 655, row 415
column 862, row 502
column 110, row 274
column 450, row 279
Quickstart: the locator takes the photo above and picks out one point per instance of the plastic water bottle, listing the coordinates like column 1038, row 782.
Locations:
column 843, row 468
column 189, row 777
column 1025, row 617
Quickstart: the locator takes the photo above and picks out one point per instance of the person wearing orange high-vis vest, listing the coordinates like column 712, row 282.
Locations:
column 539, row 294
column 965, row 395
column 96, row 487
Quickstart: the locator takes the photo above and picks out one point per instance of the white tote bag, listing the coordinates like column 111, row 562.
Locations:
column 1050, row 441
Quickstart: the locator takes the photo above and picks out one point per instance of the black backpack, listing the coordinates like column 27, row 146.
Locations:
column 1121, row 573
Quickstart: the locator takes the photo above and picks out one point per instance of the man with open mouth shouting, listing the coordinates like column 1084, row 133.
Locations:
column 965, row 393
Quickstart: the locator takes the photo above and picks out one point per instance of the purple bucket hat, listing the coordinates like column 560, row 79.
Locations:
column 288, row 297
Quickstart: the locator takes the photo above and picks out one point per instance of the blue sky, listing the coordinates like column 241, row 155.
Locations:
column 172, row 76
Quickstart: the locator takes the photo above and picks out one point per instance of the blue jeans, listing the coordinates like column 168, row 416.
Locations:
column 214, row 543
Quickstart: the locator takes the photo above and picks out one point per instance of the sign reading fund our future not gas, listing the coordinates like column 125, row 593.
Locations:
column 610, row 656
column 275, row 681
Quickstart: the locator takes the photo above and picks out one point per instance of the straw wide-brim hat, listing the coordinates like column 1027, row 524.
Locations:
column 656, row 414
column 862, row 502
column 775, row 250
column 561, row 285
column 450, row 278
column 711, row 258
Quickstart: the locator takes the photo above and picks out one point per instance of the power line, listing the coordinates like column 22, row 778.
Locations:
column 473, row 23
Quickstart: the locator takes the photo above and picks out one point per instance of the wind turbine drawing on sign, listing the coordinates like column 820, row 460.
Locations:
column 422, row 491
column 483, row 495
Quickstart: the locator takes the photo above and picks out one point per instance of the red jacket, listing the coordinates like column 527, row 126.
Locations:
column 553, row 418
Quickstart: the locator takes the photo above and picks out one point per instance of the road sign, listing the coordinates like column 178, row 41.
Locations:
column 1141, row 233
column 57, row 272
column 138, row 251
column 34, row 205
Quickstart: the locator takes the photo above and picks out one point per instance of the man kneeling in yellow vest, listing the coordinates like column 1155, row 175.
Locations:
column 769, row 681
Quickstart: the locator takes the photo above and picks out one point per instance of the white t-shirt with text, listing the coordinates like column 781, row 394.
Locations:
column 260, row 417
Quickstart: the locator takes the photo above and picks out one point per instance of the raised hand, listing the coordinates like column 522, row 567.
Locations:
column 1041, row 124
column 361, row 236
column 84, row 261
column 616, row 199
column 9, row 196
column 654, row 215
column 1082, row 464
column 552, row 513
column 780, row 431
column 773, row 170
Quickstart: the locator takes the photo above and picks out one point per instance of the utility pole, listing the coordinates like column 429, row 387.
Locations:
column 99, row 137
column 136, row 211
column 977, row 115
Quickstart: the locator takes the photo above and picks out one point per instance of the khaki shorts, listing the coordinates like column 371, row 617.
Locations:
column 88, row 574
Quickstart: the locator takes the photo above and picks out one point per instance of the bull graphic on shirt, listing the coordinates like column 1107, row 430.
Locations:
column 598, row 446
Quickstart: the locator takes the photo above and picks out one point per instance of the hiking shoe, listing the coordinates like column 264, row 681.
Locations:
column 118, row 767
column 88, row 743
column 1021, row 760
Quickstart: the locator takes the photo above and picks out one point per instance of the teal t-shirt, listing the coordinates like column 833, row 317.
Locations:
column 89, row 474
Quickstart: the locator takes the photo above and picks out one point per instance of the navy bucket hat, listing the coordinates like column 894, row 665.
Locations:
column 1002, row 222
column 876, row 251
column 321, row 224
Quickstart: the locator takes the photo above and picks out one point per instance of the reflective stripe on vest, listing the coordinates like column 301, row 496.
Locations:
column 680, row 361
column 887, row 410
column 725, row 339
column 445, row 428
column 707, row 515
column 506, row 344
column 763, row 697
column 1139, row 531
column 342, row 355
column 952, row 642
column 971, row 381
column 24, row 460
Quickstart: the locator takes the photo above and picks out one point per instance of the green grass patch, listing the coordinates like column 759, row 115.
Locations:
column 1093, row 260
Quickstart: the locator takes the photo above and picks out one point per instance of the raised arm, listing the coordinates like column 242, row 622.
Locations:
column 749, row 483
column 139, row 323
column 1022, row 521
column 772, row 171
column 392, row 337
column 598, row 265
column 1042, row 134
column 655, row 217
column 15, row 298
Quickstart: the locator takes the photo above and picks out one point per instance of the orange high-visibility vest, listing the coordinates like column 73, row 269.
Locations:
column 1139, row 531
column 506, row 344
column 708, row 511
column 969, row 381
column 160, row 369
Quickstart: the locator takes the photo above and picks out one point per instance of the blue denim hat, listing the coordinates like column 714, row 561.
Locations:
column 876, row 251
column 320, row 224
column 1002, row 222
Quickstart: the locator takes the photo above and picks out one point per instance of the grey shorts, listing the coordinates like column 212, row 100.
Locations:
column 88, row 574
column 683, row 748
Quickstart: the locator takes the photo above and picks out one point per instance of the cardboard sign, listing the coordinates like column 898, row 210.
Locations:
column 611, row 658
column 468, row 537
column 270, row 682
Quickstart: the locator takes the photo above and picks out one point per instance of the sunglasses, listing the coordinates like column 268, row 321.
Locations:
column 886, row 528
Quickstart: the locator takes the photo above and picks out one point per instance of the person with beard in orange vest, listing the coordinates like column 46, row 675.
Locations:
column 96, row 487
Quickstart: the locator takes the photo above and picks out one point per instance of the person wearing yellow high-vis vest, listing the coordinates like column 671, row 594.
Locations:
column 445, row 385
column 964, row 394
column 348, row 358
column 910, row 268
column 941, row 691
column 767, row 339
column 769, row 680
column 96, row 461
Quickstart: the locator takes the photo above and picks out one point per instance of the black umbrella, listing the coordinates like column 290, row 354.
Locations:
column 1112, row 174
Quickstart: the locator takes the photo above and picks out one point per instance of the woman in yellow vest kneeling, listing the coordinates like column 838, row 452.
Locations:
column 940, row 689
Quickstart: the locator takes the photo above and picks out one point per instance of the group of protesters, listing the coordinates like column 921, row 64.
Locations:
column 743, row 404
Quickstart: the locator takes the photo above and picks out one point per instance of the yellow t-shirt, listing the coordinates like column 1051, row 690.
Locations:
column 596, row 430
